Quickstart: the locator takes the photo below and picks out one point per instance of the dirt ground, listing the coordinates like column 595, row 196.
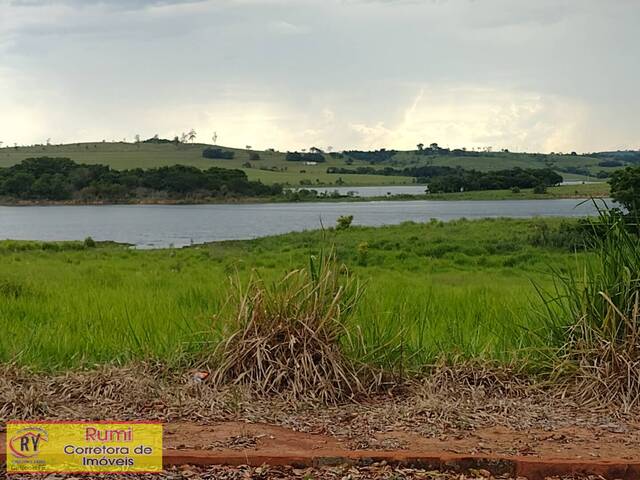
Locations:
column 451, row 414
column 376, row 471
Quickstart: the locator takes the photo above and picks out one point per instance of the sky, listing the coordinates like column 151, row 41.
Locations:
column 527, row 75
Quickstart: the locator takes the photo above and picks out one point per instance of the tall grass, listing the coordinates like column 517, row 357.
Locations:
column 459, row 288
column 593, row 315
column 287, row 335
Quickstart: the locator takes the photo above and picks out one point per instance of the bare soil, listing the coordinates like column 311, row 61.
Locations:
column 481, row 414
column 375, row 471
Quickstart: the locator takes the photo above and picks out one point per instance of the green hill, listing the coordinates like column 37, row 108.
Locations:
column 272, row 167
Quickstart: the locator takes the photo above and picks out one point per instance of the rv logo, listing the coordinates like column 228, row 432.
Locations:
column 28, row 442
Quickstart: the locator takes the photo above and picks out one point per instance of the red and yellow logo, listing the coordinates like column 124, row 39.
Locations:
column 84, row 447
column 27, row 442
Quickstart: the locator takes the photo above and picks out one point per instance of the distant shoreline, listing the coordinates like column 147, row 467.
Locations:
column 485, row 195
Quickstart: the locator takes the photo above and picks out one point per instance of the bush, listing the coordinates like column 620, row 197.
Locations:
column 89, row 242
column 210, row 152
column 594, row 317
column 288, row 336
column 363, row 253
column 344, row 222
column 610, row 163
column 515, row 189
column 570, row 235
column 540, row 189
column 11, row 290
column 304, row 157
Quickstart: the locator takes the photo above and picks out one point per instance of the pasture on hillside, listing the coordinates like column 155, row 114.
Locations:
column 271, row 167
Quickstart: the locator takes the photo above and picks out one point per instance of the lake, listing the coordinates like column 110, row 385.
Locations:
column 157, row 226
column 382, row 191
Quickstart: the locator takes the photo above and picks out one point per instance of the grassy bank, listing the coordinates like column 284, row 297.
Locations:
column 585, row 191
column 458, row 288
column 272, row 167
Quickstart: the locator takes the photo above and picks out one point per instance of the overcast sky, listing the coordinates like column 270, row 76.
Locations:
column 534, row 75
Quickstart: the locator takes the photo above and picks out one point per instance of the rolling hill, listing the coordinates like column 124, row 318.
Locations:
column 272, row 167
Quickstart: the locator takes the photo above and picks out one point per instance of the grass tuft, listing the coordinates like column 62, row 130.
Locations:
column 289, row 335
column 594, row 315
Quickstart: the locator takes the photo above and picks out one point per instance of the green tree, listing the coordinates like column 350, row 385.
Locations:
column 625, row 188
column 18, row 185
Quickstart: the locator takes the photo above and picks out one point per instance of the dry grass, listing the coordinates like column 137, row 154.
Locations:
column 607, row 367
column 377, row 471
column 451, row 404
column 595, row 318
column 289, row 336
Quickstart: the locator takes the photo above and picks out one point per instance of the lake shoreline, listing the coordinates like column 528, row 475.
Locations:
column 482, row 195
column 155, row 226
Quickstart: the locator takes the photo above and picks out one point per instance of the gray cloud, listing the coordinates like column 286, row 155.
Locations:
column 550, row 74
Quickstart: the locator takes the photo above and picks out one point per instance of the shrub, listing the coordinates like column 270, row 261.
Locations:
column 571, row 235
column 540, row 189
column 304, row 157
column 363, row 253
column 515, row 189
column 288, row 336
column 210, row 152
column 594, row 317
column 10, row 289
column 344, row 222
column 610, row 163
column 89, row 242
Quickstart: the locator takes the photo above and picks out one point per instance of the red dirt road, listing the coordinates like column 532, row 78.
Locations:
column 534, row 454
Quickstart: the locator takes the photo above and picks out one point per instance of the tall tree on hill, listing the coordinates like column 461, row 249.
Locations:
column 192, row 135
column 625, row 189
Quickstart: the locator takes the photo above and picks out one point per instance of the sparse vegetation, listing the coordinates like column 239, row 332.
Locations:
column 594, row 316
column 287, row 336
column 157, row 152
column 459, row 289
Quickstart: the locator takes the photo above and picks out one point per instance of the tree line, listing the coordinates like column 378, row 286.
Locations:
column 442, row 179
column 60, row 179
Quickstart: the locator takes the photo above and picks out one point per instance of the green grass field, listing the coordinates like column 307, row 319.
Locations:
column 459, row 288
column 587, row 190
column 273, row 168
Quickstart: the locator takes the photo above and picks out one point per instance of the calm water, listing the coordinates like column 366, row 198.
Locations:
column 382, row 191
column 154, row 226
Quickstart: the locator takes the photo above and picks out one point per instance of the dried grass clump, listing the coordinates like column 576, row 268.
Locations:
column 595, row 317
column 479, row 378
column 289, row 336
